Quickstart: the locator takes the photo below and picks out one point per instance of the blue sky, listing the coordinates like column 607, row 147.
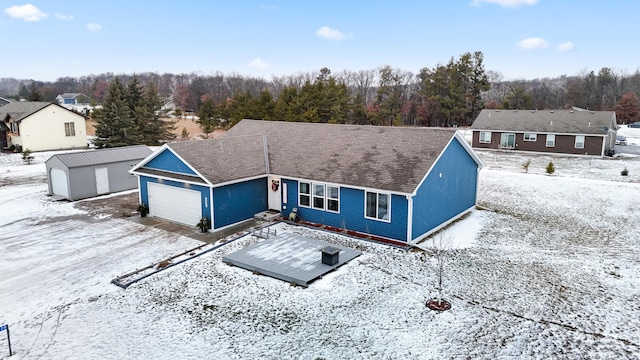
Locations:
column 521, row 39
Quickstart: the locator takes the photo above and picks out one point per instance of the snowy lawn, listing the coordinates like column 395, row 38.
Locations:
column 550, row 270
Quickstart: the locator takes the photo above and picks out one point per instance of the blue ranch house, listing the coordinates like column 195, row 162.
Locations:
column 400, row 183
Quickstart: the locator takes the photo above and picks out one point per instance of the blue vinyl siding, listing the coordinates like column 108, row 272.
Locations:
column 204, row 192
column 351, row 214
column 168, row 161
column 237, row 202
column 440, row 198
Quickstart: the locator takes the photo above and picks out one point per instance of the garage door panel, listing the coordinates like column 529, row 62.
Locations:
column 175, row 204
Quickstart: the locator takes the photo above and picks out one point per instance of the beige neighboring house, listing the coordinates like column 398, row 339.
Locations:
column 40, row 126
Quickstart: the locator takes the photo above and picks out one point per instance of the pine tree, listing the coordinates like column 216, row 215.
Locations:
column 551, row 168
column 34, row 95
column 151, row 129
column 207, row 116
column 114, row 126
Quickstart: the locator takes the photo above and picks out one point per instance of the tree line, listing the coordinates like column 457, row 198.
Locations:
column 448, row 94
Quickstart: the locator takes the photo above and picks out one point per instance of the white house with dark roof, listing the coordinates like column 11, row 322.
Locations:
column 40, row 126
column 574, row 132
column 397, row 183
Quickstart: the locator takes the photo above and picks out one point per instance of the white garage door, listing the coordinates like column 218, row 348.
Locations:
column 59, row 183
column 175, row 204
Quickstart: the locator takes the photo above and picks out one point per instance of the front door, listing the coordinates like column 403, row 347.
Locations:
column 275, row 193
column 507, row 141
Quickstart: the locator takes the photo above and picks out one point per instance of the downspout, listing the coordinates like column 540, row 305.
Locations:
column 266, row 154
column 211, row 206
column 410, row 218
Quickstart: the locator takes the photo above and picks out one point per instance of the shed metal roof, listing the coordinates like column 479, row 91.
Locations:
column 547, row 121
column 103, row 156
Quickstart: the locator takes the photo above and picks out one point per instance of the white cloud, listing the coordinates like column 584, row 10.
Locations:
column 64, row 17
column 257, row 63
column 532, row 43
column 26, row 12
column 331, row 34
column 505, row 3
column 566, row 46
column 93, row 27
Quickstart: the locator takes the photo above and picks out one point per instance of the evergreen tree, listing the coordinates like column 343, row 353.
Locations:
column 148, row 113
column 208, row 116
column 34, row 95
column 114, row 126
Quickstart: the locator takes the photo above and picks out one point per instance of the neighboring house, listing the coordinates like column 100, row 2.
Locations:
column 72, row 99
column 4, row 101
column 395, row 182
column 84, row 174
column 76, row 102
column 546, row 131
column 40, row 126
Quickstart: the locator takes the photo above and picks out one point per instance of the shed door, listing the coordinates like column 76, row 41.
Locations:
column 59, row 183
column 102, row 181
column 174, row 203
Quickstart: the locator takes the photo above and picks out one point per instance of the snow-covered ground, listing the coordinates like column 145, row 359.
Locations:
column 549, row 270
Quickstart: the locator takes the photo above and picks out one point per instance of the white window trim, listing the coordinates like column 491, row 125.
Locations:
column 577, row 142
column 330, row 198
column 551, row 137
column 300, row 194
column 532, row 137
column 14, row 128
column 484, row 141
column 325, row 197
column 314, row 196
column 388, row 219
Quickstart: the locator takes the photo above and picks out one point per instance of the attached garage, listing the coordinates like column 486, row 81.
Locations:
column 84, row 174
column 175, row 204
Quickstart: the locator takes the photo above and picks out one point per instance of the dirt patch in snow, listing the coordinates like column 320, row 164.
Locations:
column 120, row 206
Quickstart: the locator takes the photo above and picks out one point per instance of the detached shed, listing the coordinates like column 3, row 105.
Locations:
column 85, row 174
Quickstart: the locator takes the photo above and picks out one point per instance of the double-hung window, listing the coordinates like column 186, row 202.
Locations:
column 579, row 141
column 485, row 137
column 551, row 140
column 318, row 196
column 333, row 198
column 530, row 137
column 69, row 129
column 377, row 206
column 304, row 191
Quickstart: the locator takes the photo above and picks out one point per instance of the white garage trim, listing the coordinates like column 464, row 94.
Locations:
column 59, row 184
column 174, row 203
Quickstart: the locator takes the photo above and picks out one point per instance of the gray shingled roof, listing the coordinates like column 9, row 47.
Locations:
column 103, row 156
column 546, row 121
column 386, row 158
column 224, row 159
column 19, row 110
